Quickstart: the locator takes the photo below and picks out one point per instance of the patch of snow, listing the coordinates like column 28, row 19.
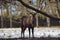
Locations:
column 38, row 32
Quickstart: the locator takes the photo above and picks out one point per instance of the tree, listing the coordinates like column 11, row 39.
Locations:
column 48, row 8
column 57, row 5
column 38, row 6
column 1, row 14
column 9, row 11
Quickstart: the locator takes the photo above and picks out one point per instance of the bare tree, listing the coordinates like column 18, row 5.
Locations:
column 1, row 15
column 49, row 11
column 38, row 6
column 10, row 14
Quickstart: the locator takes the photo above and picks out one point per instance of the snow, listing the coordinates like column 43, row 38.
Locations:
column 38, row 32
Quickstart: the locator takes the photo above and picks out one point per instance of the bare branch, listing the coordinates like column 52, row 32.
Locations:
column 38, row 11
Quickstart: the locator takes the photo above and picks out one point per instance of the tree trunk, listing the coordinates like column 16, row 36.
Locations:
column 38, row 6
column 1, row 17
column 48, row 10
column 10, row 15
column 36, row 20
column 48, row 22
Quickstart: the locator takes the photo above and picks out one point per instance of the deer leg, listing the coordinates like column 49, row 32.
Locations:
column 29, row 32
column 24, row 31
column 21, row 32
column 33, row 32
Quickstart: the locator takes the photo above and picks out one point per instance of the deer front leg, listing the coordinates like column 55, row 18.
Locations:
column 29, row 32
column 33, row 32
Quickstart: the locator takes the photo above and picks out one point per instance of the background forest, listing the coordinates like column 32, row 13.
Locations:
column 11, row 11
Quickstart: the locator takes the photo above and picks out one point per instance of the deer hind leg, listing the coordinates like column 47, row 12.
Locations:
column 29, row 32
column 32, row 28
column 23, row 31
column 32, row 32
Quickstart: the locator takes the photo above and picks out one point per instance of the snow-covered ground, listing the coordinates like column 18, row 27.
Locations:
column 38, row 32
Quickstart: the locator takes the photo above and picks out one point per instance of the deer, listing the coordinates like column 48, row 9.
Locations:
column 27, row 22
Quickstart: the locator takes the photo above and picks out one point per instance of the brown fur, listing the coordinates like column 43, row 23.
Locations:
column 27, row 22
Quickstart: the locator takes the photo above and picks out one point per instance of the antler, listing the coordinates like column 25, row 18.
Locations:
column 38, row 11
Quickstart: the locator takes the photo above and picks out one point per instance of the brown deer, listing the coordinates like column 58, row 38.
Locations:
column 27, row 22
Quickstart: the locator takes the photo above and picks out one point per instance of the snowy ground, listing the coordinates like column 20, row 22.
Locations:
column 38, row 32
